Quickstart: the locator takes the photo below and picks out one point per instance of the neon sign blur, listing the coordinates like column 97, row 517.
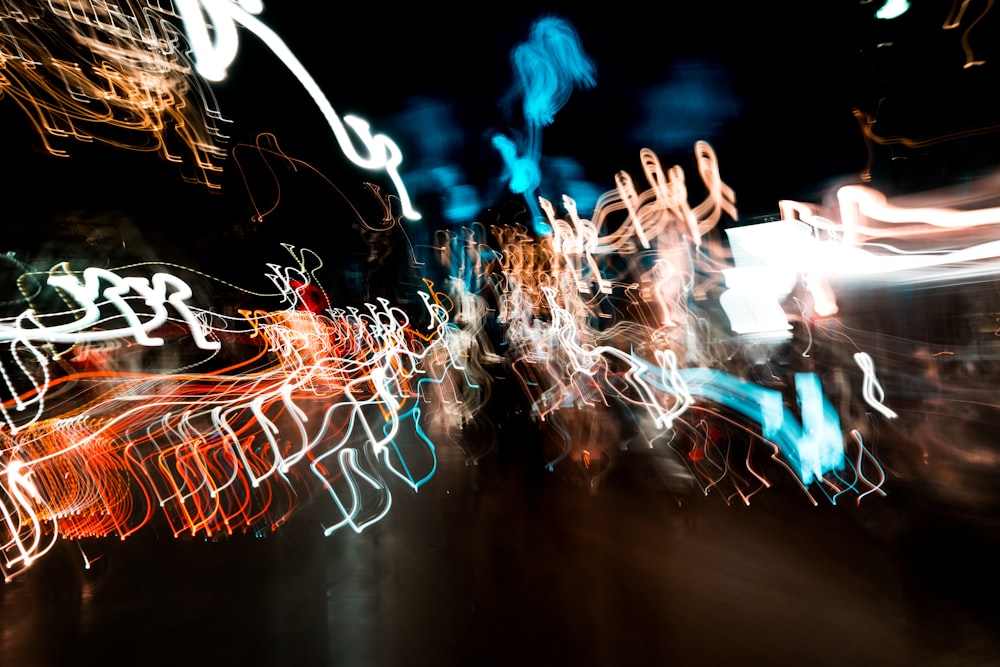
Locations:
column 597, row 313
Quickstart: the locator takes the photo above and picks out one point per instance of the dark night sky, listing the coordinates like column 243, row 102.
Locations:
column 771, row 86
column 793, row 77
column 792, row 90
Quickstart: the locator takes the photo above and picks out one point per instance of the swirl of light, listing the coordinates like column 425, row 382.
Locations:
column 235, row 449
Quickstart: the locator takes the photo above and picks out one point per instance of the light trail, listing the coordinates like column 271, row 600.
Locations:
column 547, row 68
column 574, row 352
column 110, row 73
column 214, row 56
column 342, row 403
column 954, row 20
column 78, row 69
column 606, row 322
column 232, row 450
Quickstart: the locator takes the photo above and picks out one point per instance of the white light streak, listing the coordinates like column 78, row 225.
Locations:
column 214, row 56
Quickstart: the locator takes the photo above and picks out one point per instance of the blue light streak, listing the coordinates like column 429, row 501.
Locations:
column 547, row 68
column 813, row 447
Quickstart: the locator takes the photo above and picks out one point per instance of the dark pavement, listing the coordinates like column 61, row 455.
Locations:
column 521, row 572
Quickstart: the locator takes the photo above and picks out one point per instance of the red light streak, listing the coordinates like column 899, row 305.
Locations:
column 235, row 449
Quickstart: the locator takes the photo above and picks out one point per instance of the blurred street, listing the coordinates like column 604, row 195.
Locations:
column 528, row 573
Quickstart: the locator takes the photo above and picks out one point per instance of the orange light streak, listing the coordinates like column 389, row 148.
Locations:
column 113, row 75
column 220, row 451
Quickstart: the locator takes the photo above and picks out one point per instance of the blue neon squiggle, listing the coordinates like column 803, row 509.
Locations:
column 814, row 447
column 547, row 68
column 523, row 170
column 415, row 482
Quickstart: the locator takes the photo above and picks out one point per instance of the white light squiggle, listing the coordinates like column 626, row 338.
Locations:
column 213, row 58
column 872, row 389
column 156, row 294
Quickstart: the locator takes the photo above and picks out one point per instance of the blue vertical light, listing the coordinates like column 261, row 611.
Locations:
column 547, row 68
column 813, row 448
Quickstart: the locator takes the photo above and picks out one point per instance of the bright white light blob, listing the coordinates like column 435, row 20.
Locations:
column 892, row 9
column 753, row 312
column 761, row 278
